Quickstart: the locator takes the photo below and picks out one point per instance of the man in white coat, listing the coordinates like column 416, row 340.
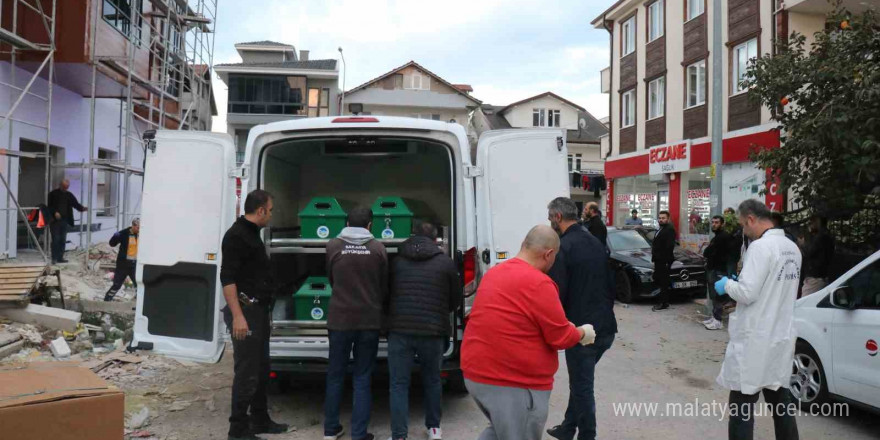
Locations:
column 762, row 334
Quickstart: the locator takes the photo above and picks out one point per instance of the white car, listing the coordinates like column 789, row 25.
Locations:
column 838, row 332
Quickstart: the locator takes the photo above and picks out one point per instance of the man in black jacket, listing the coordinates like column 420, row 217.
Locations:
column 663, row 254
column 582, row 273
column 593, row 222
column 61, row 205
column 126, row 260
column 425, row 289
column 818, row 256
column 717, row 253
column 248, row 288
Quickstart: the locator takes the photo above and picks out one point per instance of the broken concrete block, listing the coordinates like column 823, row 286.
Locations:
column 49, row 317
column 11, row 349
column 59, row 348
column 139, row 419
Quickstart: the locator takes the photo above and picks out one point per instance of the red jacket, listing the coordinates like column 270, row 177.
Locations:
column 515, row 329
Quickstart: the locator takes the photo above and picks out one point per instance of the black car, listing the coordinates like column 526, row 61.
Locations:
column 634, row 270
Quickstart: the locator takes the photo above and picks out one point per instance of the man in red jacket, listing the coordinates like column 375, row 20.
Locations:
column 515, row 329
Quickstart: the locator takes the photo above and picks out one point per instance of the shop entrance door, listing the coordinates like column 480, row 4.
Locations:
column 662, row 198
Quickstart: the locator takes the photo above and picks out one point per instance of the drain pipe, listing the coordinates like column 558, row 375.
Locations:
column 610, row 84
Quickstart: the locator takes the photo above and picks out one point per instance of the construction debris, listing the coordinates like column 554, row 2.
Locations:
column 50, row 317
column 139, row 419
column 179, row 405
column 59, row 348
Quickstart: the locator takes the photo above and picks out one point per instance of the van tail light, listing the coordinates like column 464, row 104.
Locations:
column 354, row 119
column 470, row 266
column 273, row 375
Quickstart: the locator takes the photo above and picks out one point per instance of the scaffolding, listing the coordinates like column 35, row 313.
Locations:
column 179, row 43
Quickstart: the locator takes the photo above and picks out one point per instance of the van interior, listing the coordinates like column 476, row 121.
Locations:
column 355, row 171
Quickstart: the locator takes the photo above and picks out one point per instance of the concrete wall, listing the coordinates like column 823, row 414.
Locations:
column 806, row 25
column 521, row 115
column 70, row 131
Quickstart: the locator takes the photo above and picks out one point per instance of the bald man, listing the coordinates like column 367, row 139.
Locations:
column 515, row 329
column 61, row 205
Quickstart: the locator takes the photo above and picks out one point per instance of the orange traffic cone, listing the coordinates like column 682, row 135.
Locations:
column 41, row 223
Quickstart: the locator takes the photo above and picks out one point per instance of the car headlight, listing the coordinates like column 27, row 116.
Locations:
column 644, row 273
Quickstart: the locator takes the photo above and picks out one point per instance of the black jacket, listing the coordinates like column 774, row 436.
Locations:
column 818, row 255
column 63, row 202
column 663, row 247
column 122, row 239
column 718, row 252
column 598, row 229
column 583, row 276
column 245, row 262
column 425, row 288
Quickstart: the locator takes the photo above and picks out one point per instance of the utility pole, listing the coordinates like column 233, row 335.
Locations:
column 344, row 72
column 717, row 97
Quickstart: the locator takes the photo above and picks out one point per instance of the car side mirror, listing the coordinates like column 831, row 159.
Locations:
column 843, row 297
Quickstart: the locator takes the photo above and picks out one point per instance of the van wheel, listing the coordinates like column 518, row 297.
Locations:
column 455, row 383
column 808, row 384
column 623, row 287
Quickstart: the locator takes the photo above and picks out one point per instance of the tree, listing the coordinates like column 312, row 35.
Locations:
column 827, row 103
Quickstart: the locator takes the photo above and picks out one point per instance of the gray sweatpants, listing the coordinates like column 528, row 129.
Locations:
column 513, row 413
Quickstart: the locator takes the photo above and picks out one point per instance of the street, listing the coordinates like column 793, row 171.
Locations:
column 665, row 357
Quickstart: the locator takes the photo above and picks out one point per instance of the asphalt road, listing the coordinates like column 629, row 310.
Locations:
column 665, row 357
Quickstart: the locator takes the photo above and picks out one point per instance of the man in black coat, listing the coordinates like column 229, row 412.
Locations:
column 593, row 222
column 663, row 254
column 425, row 289
column 717, row 254
column 818, row 256
column 582, row 273
column 126, row 260
column 61, row 205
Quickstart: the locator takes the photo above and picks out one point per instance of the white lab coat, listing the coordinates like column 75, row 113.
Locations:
column 762, row 333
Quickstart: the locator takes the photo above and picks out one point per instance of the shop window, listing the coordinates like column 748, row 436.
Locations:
column 641, row 194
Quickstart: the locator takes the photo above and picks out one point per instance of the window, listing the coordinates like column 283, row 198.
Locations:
column 417, row 81
column 695, row 8
column 629, row 36
column 121, row 13
column 570, row 161
column 279, row 95
column 696, row 84
column 656, row 97
column 319, row 100
column 577, row 161
column 742, row 55
column 628, row 114
column 538, row 119
column 655, row 20
column 865, row 287
column 553, row 118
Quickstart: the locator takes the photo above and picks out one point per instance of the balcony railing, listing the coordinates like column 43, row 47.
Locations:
column 266, row 108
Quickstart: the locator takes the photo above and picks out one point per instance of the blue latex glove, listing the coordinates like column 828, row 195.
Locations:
column 720, row 284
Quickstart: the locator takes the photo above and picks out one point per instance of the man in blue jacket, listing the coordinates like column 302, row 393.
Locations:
column 126, row 260
column 582, row 273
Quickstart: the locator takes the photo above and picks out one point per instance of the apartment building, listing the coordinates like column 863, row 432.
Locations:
column 659, row 78
column 80, row 81
column 273, row 83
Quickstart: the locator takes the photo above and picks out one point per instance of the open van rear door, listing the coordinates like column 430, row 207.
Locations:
column 188, row 203
column 519, row 172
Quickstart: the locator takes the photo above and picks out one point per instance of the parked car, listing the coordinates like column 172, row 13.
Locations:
column 838, row 332
column 634, row 270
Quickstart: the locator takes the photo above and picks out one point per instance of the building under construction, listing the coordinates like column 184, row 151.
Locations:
column 80, row 81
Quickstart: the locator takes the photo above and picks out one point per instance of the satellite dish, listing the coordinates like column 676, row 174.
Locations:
column 582, row 123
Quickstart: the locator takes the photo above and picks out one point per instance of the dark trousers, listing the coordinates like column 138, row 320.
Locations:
column 363, row 344
column 742, row 410
column 251, row 358
column 663, row 281
column 581, row 361
column 124, row 269
column 59, row 239
column 717, row 302
column 402, row 349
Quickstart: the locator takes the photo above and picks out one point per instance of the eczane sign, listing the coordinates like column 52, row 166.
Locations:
column 669, row 158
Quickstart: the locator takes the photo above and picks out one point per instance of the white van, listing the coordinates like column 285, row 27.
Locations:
column 189, row 199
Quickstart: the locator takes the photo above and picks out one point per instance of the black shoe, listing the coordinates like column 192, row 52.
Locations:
column 63, row 261
column 336, row 434
column 247, row 436
column 559, row 432
column 269, row 428
column 660, row 307
column 109, row 297
column 368, row 437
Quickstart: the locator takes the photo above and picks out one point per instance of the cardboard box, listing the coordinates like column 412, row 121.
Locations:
column 59, row 401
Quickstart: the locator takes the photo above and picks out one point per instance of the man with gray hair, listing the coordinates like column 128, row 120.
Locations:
column 581, row 272
column 517, row 325
column 762, row 335
column 126, row 259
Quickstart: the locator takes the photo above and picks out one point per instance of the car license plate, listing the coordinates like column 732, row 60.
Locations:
column 684, row 284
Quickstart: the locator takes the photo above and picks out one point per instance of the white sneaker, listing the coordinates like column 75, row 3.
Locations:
column 707, row 321
column 714, row 325
column 435, row 434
